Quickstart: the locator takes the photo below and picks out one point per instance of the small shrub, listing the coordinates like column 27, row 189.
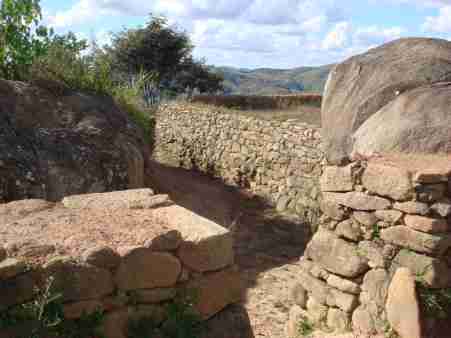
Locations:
column 45, row 317
column 305, row 327
column 376, row 232
column 389, row 332
column 435, row 303
column 182, row 321
column 129, row 99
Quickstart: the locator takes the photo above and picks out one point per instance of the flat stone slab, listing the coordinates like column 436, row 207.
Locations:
column 426, row 224
column 415, row 240
column 117, row 220
column 127, row 199
column 358, row 201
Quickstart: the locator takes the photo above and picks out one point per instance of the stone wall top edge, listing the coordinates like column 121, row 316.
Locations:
column 215, row 111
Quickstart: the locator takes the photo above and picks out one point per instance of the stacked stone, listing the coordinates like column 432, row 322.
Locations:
column 130, row 282
column 378, row 217
column 280, row 161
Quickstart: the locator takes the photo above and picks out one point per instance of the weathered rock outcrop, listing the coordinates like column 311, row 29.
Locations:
column 364, row 85
column 54, row 144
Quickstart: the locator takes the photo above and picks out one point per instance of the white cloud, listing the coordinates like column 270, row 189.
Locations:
column 440, row 23
column 251, row 33
column 338, row 37
column 374, row 35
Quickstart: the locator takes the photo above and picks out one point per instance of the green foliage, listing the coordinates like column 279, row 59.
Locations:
column 195, row 74
column 164, row 51
column 157, row 47
column 389, row 332
column 129, row 98
column 435, row 303
column 65, row 63
column 376, row 231
column 21, row 37
column 182, row 321
column 305, row 327
column 44, row 318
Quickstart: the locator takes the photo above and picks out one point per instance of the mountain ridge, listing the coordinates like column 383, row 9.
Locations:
column 273, row 81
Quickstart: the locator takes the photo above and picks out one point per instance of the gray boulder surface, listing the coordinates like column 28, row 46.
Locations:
column 55, row 143
column 361, row 86
column 418, row 121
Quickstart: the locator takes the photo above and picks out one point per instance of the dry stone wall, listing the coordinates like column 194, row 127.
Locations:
column 280, row 161
column 175, row 251
column 386, row 227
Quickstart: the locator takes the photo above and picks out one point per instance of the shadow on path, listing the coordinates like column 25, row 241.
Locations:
column 264, row 240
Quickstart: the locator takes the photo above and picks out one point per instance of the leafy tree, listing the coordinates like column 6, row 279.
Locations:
column 195, row 74
column 21, row 37
column 164, row 51
column 154, row 48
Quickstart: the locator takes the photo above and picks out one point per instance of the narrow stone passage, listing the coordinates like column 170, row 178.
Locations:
column 267, row 245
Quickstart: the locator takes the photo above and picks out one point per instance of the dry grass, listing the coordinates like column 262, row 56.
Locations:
column 304, row 113
column 257, row 102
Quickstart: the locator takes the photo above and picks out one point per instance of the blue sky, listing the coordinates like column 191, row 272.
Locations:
column 263, row 33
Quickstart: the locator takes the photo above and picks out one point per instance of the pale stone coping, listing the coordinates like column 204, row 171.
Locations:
column 128, row 199
column 417, row 164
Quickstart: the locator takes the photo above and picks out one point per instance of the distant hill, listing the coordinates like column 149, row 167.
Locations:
column 267, row 81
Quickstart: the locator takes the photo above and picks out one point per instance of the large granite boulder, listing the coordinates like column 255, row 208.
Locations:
column 55, row 143
column 418, row 121
column 364, row 84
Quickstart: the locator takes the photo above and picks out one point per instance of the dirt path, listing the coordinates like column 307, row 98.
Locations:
column 267, row 245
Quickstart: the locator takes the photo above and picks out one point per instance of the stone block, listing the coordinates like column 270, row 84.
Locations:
column 403, row 310
column 153, row 296
column 426, row 224
column 337, row 179
column 343, row 284
column 332, row 209
column 144, row 269
column 349, row 230
column 389, row 216
column 367, row 219
column 78, row 281
column 126, row 199
column 412, row 207
column 216, row 290
column 206, row 246
column 375, row 285
column 336, row 255
column 102, row 257
column 388, row 181
column 418, row 241
column 359, row 201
